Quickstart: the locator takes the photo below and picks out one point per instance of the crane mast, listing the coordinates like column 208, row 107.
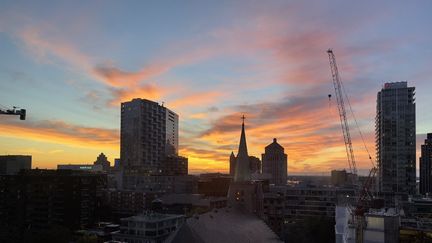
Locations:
column 337, row 83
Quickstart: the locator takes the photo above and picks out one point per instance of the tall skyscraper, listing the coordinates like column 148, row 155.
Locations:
column 426, row 166
column 275, row 162
column 149, row 133
column 395, row 131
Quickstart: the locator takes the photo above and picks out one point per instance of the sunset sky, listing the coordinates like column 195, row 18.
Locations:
column 70, row 65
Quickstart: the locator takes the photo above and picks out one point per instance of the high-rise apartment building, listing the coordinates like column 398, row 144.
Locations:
column 274, row 162
column 426, row 166
column 395, row 131
column 149, row 133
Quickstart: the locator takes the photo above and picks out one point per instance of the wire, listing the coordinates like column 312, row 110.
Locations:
column 357, row 125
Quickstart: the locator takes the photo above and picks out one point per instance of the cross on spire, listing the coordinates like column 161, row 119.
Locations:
column 243, row 118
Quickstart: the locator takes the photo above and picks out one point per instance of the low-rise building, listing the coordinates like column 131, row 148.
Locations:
column 134, row 180
column 35, row 201
column 149, row 227
column 125, row 203
column 214, row 184
column 289, row 205
column 189, row 203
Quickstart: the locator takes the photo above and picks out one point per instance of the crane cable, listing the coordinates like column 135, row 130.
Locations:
column 357, row 125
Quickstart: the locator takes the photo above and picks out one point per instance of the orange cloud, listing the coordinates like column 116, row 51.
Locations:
column 147, row 91
column 196, row 100
column 304, row 125
column 118, row 78
column 62, row 133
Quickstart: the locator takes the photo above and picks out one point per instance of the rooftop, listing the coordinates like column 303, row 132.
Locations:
column 225, row 225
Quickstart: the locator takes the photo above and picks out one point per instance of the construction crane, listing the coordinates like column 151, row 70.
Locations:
column 364, row 195
column 14, row 111
column 337, row 83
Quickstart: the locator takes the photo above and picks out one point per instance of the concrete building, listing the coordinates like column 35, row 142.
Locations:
column 103, row 161
column 395, row 130
column 275, row 162
column 149, row 133
column 131, row 180
column 339, row 177
column 214, row 184
column 417, row 214
column 380, row 226
column 287, row 206
column 426, row 166
column 342, row 178
column 12, row 164
column 125, row 203
column 174, row 165
column 190, row 203
column 148, row 228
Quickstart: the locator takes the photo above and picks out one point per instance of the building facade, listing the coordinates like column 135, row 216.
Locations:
column 12, row 164
column 159, row 183
column 174, row 165
column 149, row 133
column 34, row 201
column 395, row 131
column 285, row 206
column 125, row 203
column 426, row 166
column 148, row 228
column 274, row 162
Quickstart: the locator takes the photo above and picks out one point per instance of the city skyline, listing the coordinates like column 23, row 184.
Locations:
column 72, row 65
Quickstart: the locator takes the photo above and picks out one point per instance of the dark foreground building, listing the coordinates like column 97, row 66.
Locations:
column 426, row 166
column 37, row 203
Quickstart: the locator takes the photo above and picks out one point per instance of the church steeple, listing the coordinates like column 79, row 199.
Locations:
column 242, row 172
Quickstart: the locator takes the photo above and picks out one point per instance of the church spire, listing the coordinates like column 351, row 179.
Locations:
column 242, row 145
column 242, row 172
